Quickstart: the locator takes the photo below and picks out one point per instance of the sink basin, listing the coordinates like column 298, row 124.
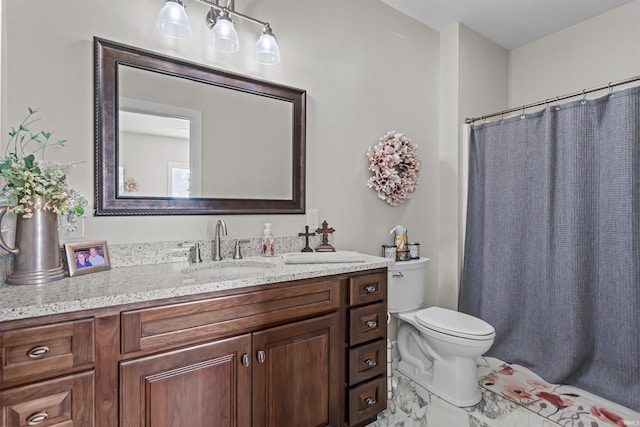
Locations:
column 225, row 270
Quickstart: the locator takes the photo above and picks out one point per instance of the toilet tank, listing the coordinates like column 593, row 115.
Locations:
column 406, row 284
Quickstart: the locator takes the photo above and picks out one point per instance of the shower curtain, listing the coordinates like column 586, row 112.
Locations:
column 552, row 247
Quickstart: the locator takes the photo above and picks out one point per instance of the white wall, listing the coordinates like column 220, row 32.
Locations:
column 473, row 79
column 448, row 170
column 367, row 69
column 597, row 51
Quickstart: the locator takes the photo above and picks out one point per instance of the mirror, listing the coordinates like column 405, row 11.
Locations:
column 179, row 138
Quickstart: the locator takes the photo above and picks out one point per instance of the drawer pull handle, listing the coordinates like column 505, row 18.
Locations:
column 262, row 356
column 246, row 360
column 398, row 274
column 371, row 401
column 38, row 352
column 371, row 363
column 372, row 324
column 37, row 418
column 371, row 289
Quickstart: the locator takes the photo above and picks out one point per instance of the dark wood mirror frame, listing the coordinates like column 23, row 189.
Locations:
column 107, row 56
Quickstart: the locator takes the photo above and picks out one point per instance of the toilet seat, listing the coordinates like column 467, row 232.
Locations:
column 454, row 323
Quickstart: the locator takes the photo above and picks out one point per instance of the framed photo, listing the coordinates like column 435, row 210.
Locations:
column 87, row 257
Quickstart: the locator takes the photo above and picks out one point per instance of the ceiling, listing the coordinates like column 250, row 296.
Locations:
column 508, row 23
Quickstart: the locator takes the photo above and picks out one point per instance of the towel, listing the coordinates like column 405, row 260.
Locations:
column 322, row 257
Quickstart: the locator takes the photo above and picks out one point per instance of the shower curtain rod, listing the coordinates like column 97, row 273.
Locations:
column 610, row 85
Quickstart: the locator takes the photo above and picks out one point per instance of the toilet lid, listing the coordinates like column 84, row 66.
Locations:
column 454, row 323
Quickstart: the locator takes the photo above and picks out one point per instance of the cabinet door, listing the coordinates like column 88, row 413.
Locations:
column 296, row 374
column 207, row 385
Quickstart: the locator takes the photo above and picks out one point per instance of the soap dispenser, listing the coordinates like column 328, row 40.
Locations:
column 267, row 241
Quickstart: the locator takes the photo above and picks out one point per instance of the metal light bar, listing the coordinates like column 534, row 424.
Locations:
column 231, row 11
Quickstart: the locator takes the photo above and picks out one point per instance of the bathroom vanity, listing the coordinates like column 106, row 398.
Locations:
column 242, row 343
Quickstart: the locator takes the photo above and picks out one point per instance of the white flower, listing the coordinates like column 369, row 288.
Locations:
column 396, row 168
column 24, row 176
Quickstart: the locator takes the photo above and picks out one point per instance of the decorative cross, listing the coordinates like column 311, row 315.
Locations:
column 306, row 235
column 325, row 231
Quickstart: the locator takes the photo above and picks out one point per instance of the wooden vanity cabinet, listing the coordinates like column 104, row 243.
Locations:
column 300, row 353
column 281, row 375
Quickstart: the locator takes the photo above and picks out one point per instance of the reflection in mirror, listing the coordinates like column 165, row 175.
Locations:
column 150, row 150
column 180, row 138
column 235, row 126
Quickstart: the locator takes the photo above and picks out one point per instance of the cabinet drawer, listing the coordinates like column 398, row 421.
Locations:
column 367, row 289
column 63, row 402
column 367, row 323
column 186, row 323
column 367, row 361
column 42, row 351
column 366, row 400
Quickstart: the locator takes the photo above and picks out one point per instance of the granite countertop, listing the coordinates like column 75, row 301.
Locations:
column 132, row 284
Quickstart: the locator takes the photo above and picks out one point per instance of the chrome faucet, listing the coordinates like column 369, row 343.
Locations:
column 216, row 239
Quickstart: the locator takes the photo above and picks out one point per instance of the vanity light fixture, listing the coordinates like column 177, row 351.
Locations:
column 173, row 21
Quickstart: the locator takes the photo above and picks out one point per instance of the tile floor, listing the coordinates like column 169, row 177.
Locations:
column 414, row 406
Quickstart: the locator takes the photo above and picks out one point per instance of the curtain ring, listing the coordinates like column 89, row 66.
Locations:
column 584, row 97
column 523, row 115
column 557, row 107
column 610, row 89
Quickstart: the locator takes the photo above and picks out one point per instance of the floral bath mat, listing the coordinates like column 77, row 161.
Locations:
column 565, row 405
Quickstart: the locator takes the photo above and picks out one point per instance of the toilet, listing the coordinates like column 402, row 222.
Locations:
column 437, row 346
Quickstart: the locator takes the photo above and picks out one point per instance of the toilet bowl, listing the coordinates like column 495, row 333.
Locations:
column 437, row 346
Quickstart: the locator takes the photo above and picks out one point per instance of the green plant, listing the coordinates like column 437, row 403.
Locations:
column 24, row 176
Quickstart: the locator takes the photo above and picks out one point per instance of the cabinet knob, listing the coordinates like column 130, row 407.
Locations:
column 371, row 401
column 37, row 418
column 371, row 362
column 246, row 360
column 38, row 352
column 371, row 289
column 262, row 356
column 372, row 323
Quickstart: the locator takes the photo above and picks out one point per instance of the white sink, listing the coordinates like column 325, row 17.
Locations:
column 228, row 269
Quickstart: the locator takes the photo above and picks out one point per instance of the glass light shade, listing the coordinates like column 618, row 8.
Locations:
column 267, row 50
column 224, row 36
column 173, row 20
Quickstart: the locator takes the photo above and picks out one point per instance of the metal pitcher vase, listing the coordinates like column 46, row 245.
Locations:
column 36, row 252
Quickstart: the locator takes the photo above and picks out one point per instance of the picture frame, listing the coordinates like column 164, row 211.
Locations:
column 79, row 255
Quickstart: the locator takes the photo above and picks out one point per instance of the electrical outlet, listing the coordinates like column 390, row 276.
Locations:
column 312, row 219
column 71, row 230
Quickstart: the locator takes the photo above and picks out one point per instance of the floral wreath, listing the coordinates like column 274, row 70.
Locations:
column 396, row 168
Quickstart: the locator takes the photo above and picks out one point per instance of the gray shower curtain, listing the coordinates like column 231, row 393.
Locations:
column 552, row 252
